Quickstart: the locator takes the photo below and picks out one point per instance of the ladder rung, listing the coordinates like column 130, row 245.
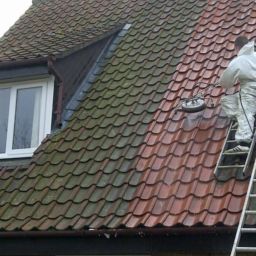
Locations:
column 231, row 141
column 252, row 195
column 230, row 166
column 248, row 230
column 250, row 212
column 234, row 153
column 246, row 249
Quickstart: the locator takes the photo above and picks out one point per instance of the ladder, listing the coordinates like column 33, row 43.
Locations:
column 238, row 161
column 248, row 210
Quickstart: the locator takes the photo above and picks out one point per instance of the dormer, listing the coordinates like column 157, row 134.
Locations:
column 38, row 95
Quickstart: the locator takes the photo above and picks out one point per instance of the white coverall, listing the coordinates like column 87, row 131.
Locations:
column 241, row 69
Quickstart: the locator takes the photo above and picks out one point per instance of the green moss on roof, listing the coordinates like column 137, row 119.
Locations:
column 86, row 174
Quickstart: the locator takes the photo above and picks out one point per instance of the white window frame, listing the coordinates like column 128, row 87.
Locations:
column 45, row 121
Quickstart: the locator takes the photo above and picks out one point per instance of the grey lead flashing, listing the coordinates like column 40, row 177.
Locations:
column 79, row 95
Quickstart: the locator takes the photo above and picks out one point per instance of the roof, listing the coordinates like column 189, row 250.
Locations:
column 48, row 28
column 125, row 159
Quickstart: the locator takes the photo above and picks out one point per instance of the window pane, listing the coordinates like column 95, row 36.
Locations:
column 4, row 112
column 27, row 116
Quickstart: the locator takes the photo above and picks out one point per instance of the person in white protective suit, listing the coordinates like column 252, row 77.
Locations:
column 241, row 106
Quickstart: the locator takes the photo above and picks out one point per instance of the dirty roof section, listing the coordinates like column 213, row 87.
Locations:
column 125, row 159
column 55, row 27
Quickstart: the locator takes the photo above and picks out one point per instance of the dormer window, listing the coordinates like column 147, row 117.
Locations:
column 25, row 116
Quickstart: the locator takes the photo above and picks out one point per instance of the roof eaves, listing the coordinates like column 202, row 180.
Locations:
column 23, row 62
column 122, row 232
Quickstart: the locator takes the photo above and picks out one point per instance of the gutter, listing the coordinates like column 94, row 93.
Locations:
column 25, row 62
column 107, row 233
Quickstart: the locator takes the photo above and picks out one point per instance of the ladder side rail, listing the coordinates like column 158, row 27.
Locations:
column 222, row 150
column 242, row 217
column 249, row 154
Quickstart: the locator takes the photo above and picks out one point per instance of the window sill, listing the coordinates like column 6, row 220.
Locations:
column 11, row 156
column 18, row 153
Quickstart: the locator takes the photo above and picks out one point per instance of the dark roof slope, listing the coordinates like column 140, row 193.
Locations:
column 54, row 27
column 125, row 159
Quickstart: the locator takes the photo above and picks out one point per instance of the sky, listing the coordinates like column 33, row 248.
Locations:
column 10, row 11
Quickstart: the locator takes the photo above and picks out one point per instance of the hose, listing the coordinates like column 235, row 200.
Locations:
column 240, row 98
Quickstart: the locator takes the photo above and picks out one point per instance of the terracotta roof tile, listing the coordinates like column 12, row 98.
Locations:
column 125, row 158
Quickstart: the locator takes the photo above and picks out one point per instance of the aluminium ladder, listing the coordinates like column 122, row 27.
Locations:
column 235, row 160
column 240, row 161
column 249, row 209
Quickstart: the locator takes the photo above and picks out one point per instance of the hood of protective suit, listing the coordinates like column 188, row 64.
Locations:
column 247, row 49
